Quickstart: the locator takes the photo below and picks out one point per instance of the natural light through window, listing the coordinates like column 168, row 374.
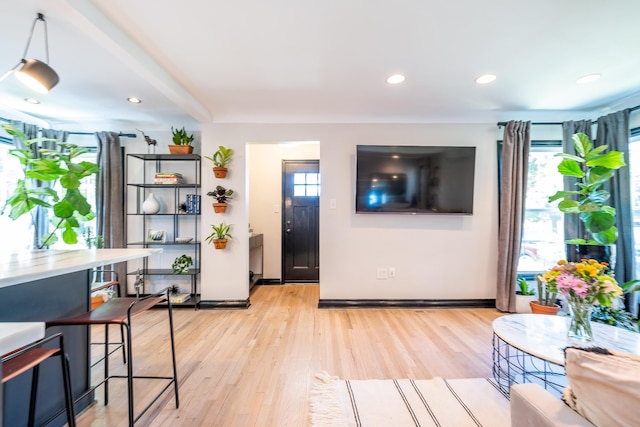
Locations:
column 306, row 184
column 634, row 171
column 543, row 228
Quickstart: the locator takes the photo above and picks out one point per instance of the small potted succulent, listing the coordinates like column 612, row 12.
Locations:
column 524, row 295
column 220, row 235
column 181, row 264
column 220, row 160
column 181, row 142
column 221, row 195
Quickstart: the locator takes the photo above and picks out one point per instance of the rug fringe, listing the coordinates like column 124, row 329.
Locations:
column 326, row 410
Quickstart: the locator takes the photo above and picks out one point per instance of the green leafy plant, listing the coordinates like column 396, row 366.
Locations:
column 221, row 157
column 547, row 291
column 70, row 210
column 180, row 136
column 523, row 286
column 221, row 194
column 592, row 167
column 181, row 264
column 220, row 231
column 614, row 317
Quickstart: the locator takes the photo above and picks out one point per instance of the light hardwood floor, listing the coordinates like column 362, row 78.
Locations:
column 254, row 367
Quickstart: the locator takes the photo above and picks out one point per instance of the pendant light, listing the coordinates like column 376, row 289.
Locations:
column 36, row 74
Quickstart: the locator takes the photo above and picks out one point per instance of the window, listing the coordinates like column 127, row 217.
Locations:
column 20, row 232
column 543, row 228
column 306, row 184
column 634, row 172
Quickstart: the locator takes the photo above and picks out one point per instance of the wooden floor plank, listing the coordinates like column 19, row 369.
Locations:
column 254, row 367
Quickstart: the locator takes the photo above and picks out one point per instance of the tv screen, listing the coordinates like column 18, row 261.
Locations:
column 414, row 179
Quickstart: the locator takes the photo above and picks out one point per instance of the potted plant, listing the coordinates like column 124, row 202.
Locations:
column 220, row 160
column 221, row 195
column 524, row 295
column 592, row 167
column 181, row 264
column 220, row 235
column 547, row 293
column 67, row 212
column 181, row 142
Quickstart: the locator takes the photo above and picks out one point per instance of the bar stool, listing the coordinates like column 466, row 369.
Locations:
column 119, row 311
column 30, row 357
column 107, row 279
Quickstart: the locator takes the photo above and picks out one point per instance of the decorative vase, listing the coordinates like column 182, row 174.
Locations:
column 580, row 326
column 151, row 205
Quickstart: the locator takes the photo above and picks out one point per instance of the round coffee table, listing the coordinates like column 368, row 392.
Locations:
column 530, row 348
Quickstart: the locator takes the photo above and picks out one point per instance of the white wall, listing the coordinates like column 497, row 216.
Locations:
column 435, row 257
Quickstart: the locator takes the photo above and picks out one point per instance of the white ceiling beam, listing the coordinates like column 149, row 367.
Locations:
column 92, row 22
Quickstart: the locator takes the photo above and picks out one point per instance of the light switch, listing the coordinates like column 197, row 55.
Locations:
column 276, row 208
column 332, row 203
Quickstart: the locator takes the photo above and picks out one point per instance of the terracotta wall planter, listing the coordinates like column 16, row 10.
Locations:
column 543, row 309
column 220, row 172
column 219, row 207
column 180, row 149
column 220, row 243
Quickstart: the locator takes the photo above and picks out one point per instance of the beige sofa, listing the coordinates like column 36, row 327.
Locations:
column 533, row 406
column 603, row 390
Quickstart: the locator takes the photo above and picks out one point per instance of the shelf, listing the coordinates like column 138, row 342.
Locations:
column 192, row 302
column 165, row 157
column 163, row 272
column 192, row 243
column 183, row 185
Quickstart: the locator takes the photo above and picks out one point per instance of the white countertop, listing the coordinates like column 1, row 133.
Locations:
column 28, row 266
column 14, row 335
column 545, row 336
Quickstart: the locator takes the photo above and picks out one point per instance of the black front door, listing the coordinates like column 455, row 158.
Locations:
column 300, row 228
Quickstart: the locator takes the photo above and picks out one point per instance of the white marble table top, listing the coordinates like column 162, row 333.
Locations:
column 22, row 267
column 14, row 335
column 545, row 336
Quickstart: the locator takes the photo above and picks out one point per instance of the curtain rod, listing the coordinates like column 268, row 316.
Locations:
column 560, row 123
column 126, row 135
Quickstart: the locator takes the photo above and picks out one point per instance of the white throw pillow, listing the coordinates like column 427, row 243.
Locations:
column 604, row 386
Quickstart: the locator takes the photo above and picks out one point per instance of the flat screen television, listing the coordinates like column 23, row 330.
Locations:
column 415, row 179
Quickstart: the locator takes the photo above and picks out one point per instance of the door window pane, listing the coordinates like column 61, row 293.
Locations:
column 306, row 184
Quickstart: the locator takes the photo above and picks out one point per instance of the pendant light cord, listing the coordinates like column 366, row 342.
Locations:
column 40, row 17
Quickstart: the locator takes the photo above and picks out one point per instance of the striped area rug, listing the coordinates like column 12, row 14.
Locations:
column 398, row 403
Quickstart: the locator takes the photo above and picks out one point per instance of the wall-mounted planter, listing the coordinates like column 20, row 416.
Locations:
column 219, row 207
column 220, row 172
column 220, row 243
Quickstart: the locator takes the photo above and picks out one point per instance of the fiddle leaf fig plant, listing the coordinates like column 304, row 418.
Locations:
column 221, row 157
column 592, row 167
column 69, row 210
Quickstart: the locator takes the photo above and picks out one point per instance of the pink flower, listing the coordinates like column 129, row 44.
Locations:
column 567, row 283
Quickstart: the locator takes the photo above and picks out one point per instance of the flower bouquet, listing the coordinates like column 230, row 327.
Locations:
column 583, row 284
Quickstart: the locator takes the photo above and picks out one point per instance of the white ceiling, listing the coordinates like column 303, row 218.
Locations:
column 322, row 61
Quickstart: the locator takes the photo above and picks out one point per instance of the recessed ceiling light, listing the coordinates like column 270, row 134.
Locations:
column 486, row 78
column 134, row 100
column 395, row 79
column 32, row 101
column 588, row 78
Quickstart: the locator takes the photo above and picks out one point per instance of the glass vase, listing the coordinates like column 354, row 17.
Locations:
column 580, row 326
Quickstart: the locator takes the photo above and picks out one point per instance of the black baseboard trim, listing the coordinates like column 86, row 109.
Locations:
column 227, row 304
column 407, row 303
column 269, row 282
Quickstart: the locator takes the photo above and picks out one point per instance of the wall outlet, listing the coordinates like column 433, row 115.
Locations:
column 392, row 272
column 382, row 274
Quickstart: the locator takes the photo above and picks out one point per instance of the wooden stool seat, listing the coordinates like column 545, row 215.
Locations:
column 114, row 311
column 30, row 357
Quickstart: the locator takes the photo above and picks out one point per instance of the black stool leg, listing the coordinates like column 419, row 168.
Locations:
column 68, row 391
column 34, row 394
column 173, row 352
column 130, row 371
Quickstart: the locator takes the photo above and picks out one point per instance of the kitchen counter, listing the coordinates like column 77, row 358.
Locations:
column 21, row 267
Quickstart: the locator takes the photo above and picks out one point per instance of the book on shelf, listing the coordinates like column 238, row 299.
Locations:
column 168, row 175
column 179, row 298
